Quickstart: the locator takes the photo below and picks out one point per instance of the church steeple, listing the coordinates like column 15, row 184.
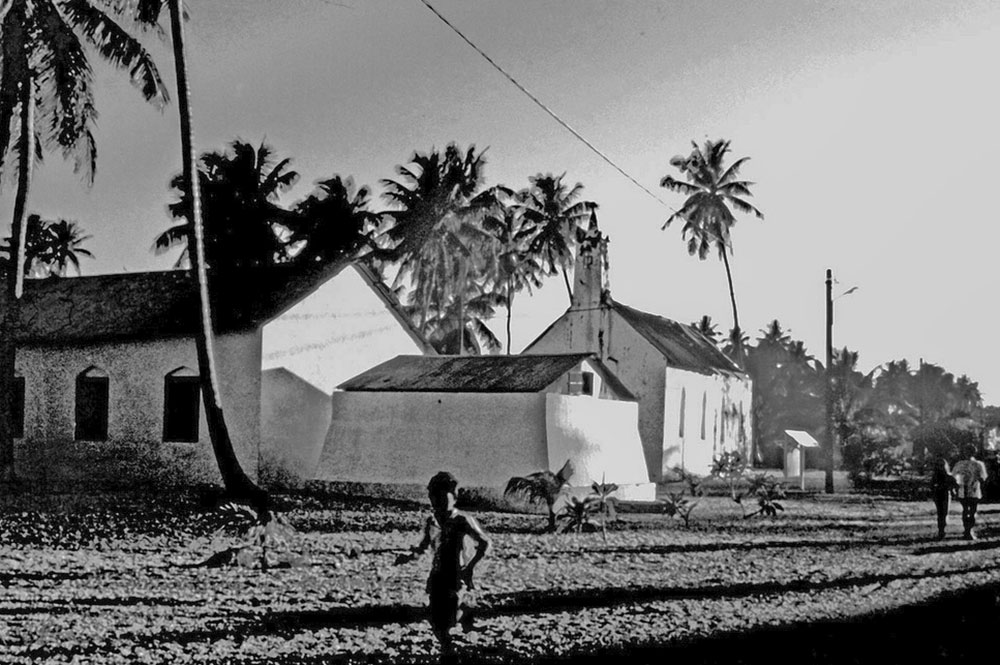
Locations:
column 590, row 276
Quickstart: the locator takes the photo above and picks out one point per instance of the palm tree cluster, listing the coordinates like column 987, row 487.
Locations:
column 892, row 407
column 460, row 250
column 463, row 249
column 246, row 225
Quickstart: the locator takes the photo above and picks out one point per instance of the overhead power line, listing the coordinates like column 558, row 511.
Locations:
column 544, row 107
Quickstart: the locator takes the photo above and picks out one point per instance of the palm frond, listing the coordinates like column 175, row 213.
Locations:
column 118, row 47
column 745, row 207
column 674, row 185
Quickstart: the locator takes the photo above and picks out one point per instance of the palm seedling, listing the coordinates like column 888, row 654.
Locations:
column 604, row 499
column 260, row 534
column 577, row 512
column 541, row 487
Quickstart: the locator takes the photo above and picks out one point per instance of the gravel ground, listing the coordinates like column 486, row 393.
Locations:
column 111, row 582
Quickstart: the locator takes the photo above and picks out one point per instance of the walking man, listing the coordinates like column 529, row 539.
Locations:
column 969, row 475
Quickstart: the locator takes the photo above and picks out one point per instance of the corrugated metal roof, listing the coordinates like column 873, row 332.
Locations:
column 150, row 305
column 681, row 345
column 477, row 374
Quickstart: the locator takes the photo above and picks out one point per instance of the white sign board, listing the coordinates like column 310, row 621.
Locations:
column 803, row 439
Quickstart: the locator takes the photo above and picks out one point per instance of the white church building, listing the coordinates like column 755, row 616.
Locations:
column 694, row 402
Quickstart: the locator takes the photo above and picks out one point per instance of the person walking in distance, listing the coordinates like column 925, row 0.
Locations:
column 969, row 474
column 942, row 488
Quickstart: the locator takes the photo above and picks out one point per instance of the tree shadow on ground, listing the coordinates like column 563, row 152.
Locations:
column 518, row 603
column 6, row 578
column 955, row 627
column 687, row 548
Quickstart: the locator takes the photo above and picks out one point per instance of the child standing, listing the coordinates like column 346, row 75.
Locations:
column 445, row 531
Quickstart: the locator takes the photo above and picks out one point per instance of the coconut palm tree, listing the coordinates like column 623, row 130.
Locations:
column 50, row 247
column 45, row 72
column 436, row 233
column 711, row 189
column 706, row 327
column 736, row 344
column 517, row 268
column 554, row 209
column 333, row 222
column 245, row 226
column 64, row 247
column 235, row 479
column 541, row 487
column 443, row 331
column 36, row 241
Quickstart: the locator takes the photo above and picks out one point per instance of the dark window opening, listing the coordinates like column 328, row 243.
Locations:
column 91, row 408
column 181, row 408
column 587, row 383
column 17, row 407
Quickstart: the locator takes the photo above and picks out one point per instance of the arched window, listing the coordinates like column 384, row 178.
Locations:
column 92, row 405
column 680, row 426
column 704, row 410
column 17, row 407
column 722, row 422
column 181, row 405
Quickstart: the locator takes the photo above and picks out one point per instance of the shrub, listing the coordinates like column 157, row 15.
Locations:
column 258, row 536
column 602, row 494
column 730, row 467
column 866, row 457
column 577, row 514
column 679, row 506
column 541, row 487
column 767, row 490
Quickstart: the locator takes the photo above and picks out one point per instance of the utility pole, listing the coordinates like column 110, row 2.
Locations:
column 831, row 436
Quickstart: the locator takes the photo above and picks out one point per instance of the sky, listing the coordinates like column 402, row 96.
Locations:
column 871, row 128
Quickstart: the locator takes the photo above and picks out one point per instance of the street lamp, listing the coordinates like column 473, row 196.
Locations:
column 831, row 437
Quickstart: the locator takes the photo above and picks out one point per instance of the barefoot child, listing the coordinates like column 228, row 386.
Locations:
column 446, row 531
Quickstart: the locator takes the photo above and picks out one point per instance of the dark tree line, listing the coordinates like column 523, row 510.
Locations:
column 877, row 415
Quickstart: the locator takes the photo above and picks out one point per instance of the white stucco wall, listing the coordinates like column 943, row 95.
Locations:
column 337, row 332
column 334, row 334
column 601, row 437
column 391, row 437
column 135, row 450
column 626, row 353
column 294, row 416
column 727, row 416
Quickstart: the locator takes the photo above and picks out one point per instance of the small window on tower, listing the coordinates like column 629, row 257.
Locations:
column 587, row 383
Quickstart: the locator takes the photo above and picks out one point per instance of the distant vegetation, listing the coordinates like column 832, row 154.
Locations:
column 888, row 419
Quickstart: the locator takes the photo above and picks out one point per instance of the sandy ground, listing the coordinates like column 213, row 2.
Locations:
column 832, row 579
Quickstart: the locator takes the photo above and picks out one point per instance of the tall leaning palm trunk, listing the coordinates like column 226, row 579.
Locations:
column 235, row 479
column 15, row 278
column 732, row 298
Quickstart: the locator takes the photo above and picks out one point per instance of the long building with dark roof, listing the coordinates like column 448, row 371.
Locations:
column 107, row 385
